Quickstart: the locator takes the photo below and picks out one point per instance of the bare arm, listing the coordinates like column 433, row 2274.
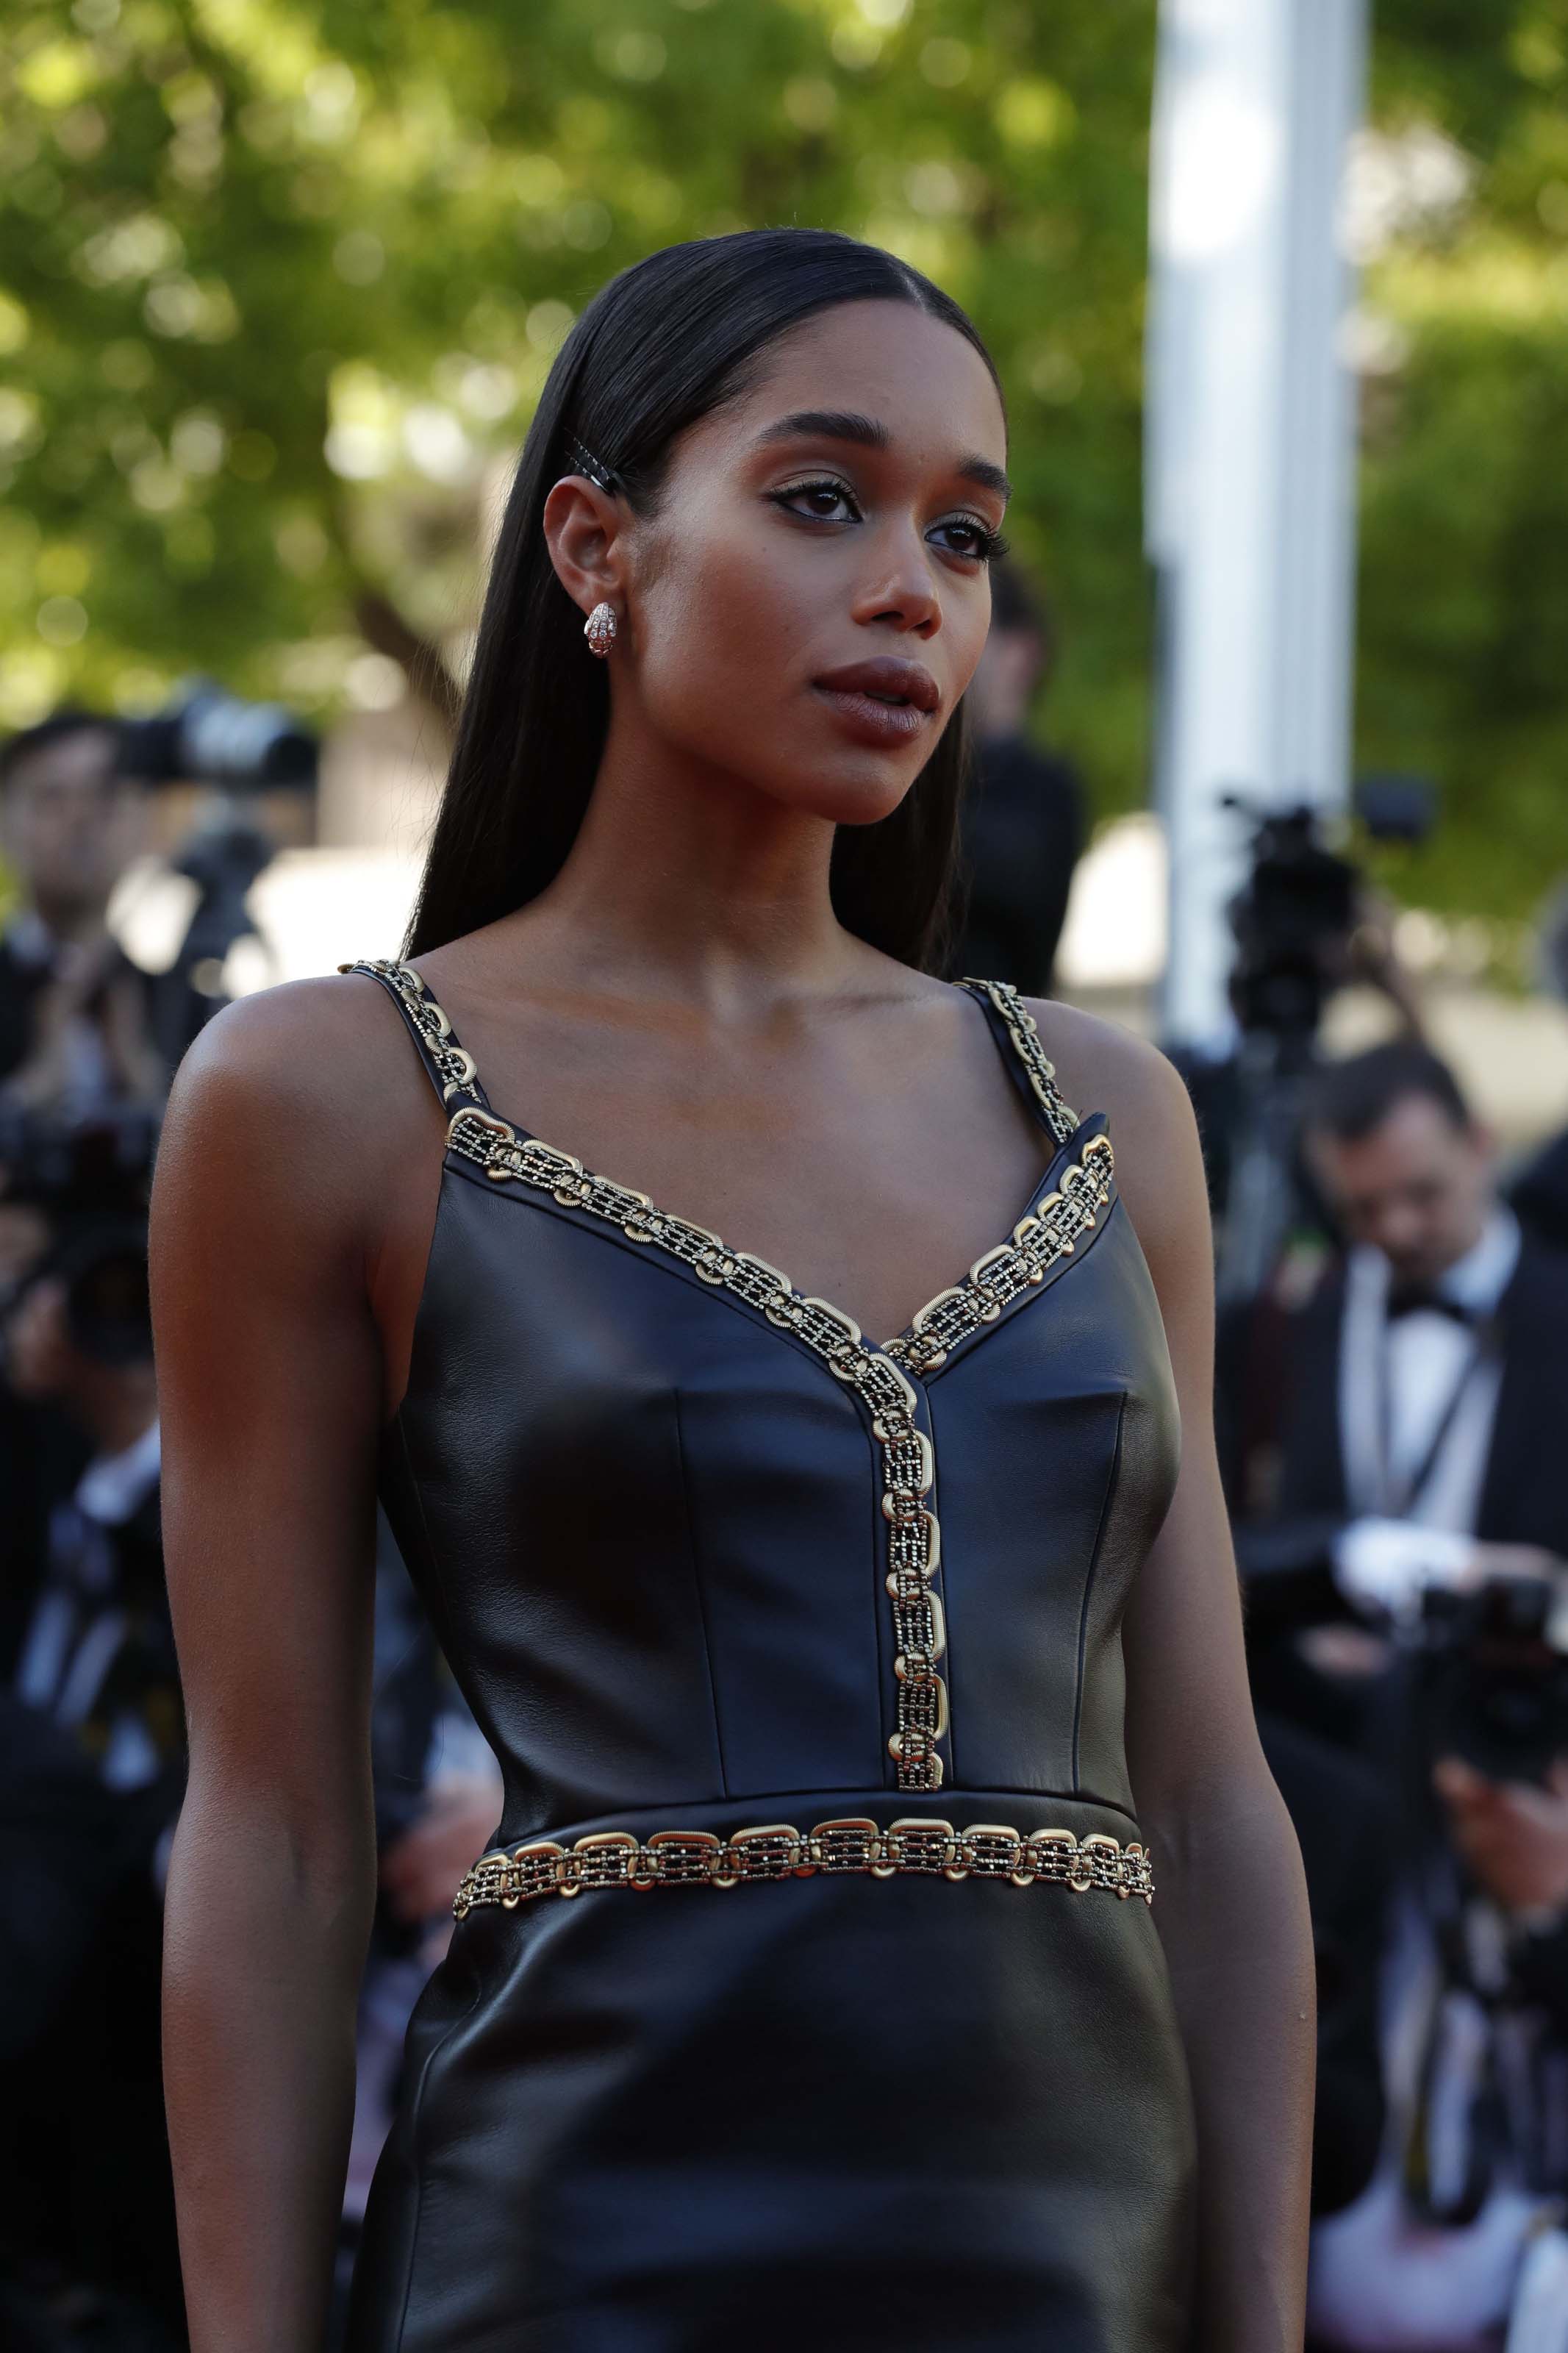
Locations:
column 270, row 1376
column 1231, row 1907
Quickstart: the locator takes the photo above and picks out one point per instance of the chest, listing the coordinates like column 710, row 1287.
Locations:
column 874, row 1178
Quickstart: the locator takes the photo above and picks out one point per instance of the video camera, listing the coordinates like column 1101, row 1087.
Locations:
column 210, row 736
column 1298, row 907
column 1293, row 920
column 1298, row 903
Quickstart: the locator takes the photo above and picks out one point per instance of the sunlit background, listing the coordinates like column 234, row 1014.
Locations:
column 278, row 286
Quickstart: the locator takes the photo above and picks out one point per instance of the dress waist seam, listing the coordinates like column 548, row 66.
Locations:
column 924, row 1843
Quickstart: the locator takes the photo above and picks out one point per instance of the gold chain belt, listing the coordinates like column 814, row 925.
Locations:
column 699, row 1859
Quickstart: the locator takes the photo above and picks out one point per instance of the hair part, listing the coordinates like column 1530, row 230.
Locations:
column 663, row 345
column 1349, row 1100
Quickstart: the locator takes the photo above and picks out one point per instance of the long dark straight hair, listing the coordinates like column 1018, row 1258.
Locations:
column 660, row 347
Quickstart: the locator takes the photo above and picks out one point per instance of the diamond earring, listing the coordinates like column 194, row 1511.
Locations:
column 599, row 628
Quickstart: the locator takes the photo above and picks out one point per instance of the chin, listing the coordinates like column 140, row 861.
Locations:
column 860, row 788
column 854, row 785
column 853, row 800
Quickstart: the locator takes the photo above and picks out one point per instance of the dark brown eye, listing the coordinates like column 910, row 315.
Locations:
column 822, row 501
column 967, row 536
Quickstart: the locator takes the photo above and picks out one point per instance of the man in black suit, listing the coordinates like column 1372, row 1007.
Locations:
column 1423, row 1427
column 1424, row 1452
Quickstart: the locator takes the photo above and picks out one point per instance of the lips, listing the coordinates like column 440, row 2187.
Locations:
column 884, row 700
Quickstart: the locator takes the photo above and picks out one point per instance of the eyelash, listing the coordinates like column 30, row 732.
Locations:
column 989, row 545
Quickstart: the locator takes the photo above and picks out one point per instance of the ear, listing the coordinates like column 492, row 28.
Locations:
column 582, row 528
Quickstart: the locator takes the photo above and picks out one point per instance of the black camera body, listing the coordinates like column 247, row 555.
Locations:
column 1494, row 1678
column 209, row 736
column 1298, row 900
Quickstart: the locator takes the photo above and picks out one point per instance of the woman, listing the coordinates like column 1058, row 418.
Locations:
column 887, row 2048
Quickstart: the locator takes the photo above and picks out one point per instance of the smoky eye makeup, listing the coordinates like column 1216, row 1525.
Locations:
column 986, row 546
column 814, row 498
column 814, row 495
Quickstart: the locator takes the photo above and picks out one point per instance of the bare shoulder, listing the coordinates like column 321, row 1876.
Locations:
column 313, row 1087
column 329, row 1046
column 1102, row 1067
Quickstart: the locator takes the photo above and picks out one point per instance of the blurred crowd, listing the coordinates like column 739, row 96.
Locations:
column 1392, row 1406
column 1391, row 1396
column 92, row 1733
column 1401, row 1501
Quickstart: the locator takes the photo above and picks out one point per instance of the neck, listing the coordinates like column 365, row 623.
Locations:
column 687, row 882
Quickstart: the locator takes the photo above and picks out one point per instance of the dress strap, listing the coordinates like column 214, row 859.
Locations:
column 1013, row 1028
column 449, row 1065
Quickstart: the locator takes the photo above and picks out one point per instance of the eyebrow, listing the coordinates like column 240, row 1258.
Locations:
column 867, row 433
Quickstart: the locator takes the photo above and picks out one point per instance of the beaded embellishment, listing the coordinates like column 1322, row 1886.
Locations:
column 777, row 1851
column 454, row 1062
column 913, row 1545
column 1051, row 1229
column 1025, row 1032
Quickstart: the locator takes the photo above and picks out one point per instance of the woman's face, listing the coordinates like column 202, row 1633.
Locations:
column 808, row 604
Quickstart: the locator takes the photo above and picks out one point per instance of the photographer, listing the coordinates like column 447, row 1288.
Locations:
column 89, row 1042
column 1469, row 2189
column 1405, row 1600
column 79, row 1024
column 1426, row 1381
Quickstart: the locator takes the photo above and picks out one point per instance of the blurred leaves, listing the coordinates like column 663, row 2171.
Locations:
column 1464, row 588
column 282, row 285
column 285, row 284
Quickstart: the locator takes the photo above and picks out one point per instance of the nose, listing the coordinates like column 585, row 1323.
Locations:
column 901, row 587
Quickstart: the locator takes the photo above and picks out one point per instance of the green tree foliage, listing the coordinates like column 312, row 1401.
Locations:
column 1464, row 595
column 279, row 286
column 284, row 284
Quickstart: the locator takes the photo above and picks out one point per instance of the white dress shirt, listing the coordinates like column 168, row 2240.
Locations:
column 1424, row 1356
column 1417, row 1404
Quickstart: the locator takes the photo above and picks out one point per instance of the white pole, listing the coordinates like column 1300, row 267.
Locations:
column 1251, row 452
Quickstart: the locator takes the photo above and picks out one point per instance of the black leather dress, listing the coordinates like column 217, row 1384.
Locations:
column 810, row 1997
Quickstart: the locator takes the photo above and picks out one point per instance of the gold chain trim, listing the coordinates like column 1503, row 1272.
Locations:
column 778, row 1851
column 454, row 1062
column 1053, row 1229
column 913, row 1543
column 1024, row 1030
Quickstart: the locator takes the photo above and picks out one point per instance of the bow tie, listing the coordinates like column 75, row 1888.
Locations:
column 1421, row 1299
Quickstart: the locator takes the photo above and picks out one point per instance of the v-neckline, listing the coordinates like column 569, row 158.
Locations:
column 579, row 1178
column 1061, row 1206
